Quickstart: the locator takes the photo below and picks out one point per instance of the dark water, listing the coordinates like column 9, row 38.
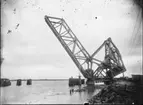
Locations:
column 42, row 92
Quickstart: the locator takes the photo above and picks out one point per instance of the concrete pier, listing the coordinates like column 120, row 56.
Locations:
column 89, row 82
column 75, row 81
column 19, row 82
column 29, row 82
column 4, row 82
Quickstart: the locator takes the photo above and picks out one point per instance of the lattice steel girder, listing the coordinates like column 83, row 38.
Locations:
column 112, row 61
column 70, row 42
column 86, row 64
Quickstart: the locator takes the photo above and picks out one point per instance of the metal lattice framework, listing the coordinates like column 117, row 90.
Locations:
column 112, row 64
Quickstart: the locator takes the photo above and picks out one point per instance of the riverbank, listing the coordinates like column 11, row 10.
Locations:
column 122, row 91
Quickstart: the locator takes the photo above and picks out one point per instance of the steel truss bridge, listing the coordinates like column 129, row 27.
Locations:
column 111, row 66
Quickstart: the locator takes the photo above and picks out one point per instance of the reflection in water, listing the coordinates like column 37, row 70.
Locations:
column 82, row 90
column 90, row 89
column 71, row 91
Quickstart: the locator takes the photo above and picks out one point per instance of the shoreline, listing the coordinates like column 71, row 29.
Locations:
column 41, row 79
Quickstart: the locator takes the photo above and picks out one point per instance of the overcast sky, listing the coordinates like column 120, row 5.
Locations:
column 31, row 50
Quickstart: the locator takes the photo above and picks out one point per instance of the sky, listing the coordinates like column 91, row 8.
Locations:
column 31, row 50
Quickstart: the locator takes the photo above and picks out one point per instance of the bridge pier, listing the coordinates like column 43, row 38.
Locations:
column 19, row 82
column 90, row 82
column 29, row 82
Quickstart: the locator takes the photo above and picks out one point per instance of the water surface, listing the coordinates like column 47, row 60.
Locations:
column 44, row 92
